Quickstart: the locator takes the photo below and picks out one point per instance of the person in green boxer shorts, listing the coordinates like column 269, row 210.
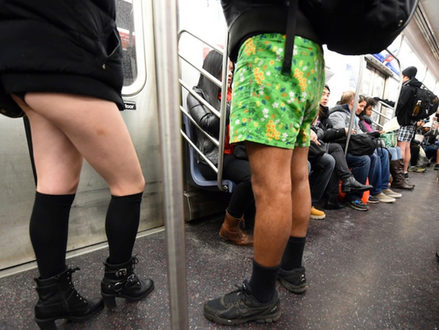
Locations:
column 271, row 112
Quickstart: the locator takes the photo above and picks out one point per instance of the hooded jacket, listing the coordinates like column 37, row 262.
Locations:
column 61, row 46
column 340, row 116
column 405, row 105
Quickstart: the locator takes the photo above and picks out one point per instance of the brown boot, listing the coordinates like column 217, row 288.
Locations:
column 231, row 231
column 397, row 171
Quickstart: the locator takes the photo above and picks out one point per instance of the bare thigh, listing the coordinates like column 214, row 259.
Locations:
column 57, row 161
column 97, row 131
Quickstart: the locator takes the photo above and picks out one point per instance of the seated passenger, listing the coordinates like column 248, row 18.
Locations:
column 339, row 117
column 322, row 166
column 431, row 145
column 393, row 153
column 237, row 170
column 342, row 172
column 379, row 172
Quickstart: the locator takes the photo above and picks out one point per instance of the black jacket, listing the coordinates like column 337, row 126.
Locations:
column 61, row 46
column 247, row 18
column 405, row 105
column 208, row 122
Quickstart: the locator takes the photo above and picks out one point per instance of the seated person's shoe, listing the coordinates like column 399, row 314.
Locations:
column 358, row 205
column 436, row 167
column 383, row 198
column 437, row 256
column 373, row 200
column 406, row 175
column 293, row 280
column 334, row 205
column 317, row 214
column 240, row 306
column 350, row 184
column 392, row 193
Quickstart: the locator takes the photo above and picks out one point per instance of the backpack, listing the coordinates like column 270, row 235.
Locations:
column 355, row 27
column 425, row 103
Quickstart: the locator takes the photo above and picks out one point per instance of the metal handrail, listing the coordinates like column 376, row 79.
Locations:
column 221, row 114
column 193, row 121
column 357, row 95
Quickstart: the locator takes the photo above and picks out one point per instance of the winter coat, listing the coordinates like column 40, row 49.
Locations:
column 340, row 117
column 61, row 46
column 246, row 18
column 404, row 108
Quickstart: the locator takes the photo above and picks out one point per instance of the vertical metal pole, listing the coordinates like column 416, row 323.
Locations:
column 222, row 131
column 168, row 96
column 357, row 95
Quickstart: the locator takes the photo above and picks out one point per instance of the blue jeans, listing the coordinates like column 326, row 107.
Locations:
column 321, row 172
column 360, row 169
column 395, row 152
column 379, row 172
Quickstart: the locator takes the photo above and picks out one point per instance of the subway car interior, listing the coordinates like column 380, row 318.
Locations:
column 365, row 270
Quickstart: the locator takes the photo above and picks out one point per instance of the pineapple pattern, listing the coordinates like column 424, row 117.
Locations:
column 271, row 108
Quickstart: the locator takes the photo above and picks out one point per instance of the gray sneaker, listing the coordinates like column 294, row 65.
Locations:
column 293, row 280
column 240, row 306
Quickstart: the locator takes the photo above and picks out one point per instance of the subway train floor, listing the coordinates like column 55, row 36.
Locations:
column 365, row 270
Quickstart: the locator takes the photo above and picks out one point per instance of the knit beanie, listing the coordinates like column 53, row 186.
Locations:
column 410, row 72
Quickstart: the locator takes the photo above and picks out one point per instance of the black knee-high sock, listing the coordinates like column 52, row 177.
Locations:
column 49, row 226
column 263, row 282
column 121, row 226
column 292, row 257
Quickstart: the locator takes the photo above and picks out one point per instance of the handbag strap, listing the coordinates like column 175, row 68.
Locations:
column 291, row 33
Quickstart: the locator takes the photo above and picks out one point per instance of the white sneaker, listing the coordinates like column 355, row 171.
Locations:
column 391, row 193
column 383, row 198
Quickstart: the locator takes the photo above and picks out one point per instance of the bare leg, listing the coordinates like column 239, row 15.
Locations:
column 300, row 193
column 95, row 129
column 271, row 183
column 406, row 155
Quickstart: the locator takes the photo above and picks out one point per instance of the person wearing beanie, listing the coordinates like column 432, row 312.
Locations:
column 410, row 72
column 404, row 110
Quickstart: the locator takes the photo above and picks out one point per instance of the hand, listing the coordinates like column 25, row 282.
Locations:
column 314, row 138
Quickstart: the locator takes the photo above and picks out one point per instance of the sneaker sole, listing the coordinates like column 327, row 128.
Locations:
column 357, row 208
column 318, row 217
column 268, row 318
column 297, row 289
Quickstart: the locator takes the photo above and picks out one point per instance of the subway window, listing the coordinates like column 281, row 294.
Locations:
column 126, row 28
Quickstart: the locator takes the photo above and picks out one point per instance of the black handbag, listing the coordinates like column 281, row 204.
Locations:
column 359, row 144
column 8, row 107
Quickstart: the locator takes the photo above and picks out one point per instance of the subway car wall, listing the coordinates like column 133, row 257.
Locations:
column 205, row 19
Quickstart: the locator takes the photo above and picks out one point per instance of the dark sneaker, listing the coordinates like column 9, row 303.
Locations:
column 334, row 205
column 436, row 167
column 358, row 205
column 373, row 200
column 406, row 175
column 240, row 306
column 437, row 256
column 293, row 280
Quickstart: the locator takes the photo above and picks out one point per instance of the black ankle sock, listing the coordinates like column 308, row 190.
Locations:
column 121, row 225
column 263, row 282
column 48, row 228
column 292, row 257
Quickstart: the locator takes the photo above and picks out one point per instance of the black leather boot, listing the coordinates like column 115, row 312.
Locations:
column 120, row 281
column 350, row 184
column 58, row 299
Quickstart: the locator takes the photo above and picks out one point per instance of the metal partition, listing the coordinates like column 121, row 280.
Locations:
column 220, row 114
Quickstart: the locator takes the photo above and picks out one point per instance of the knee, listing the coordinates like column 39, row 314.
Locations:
column 270, row 189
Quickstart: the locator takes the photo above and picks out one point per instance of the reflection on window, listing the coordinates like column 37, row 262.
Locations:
column 125, row 25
